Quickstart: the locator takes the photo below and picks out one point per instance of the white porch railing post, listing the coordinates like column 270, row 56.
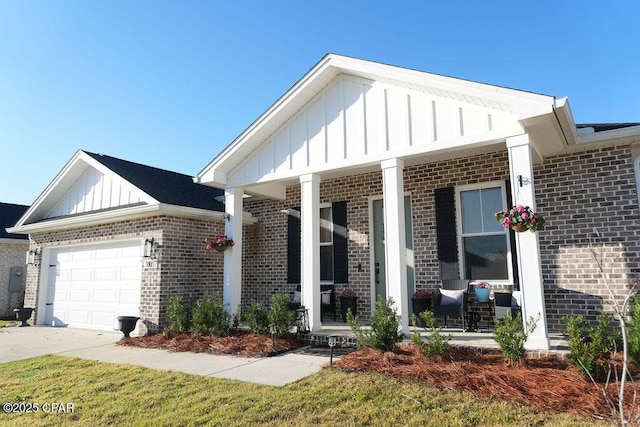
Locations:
column 232, row 286
column 310, row 268
column 527, row 245
column 395, row 239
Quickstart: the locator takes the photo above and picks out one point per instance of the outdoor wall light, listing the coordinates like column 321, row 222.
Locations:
column 148, row 247
column 33, row 257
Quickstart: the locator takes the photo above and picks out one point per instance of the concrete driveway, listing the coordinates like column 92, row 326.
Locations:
column 22, row 343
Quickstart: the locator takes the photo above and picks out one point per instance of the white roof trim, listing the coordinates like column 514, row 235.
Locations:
column 86, row 220
column 58, row 183
column 524, row 104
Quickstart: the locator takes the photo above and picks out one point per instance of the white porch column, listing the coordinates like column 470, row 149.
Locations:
column 527, row 245
column 395, row 239
column 232, row 287
column 310, row 268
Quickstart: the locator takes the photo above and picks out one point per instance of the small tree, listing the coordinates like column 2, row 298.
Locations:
column 436, row 344
column 179, row 314
column 257, row 318
column 511, row 336
column 210, row 316
column 384, row 327
column 590, row 348
column 621, row 309
column 279, row 314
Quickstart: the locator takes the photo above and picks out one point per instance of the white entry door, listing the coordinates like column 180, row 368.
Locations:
column 90, row 286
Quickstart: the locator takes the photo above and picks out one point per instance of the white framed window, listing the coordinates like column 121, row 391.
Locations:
column 485, row 252
column 326, row 244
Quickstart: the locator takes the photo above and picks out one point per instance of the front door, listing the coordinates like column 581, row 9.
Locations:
column 379, row 263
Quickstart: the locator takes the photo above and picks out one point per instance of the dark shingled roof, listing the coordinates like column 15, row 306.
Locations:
column 601, row 127
column 9, row 216
column 165, row 186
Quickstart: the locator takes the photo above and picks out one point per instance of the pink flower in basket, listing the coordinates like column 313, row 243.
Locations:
column 483, row 285
column 348, row 293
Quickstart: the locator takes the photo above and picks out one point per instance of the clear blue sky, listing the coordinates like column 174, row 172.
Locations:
column 170, row 83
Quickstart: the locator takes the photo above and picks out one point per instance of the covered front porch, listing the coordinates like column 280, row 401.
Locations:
column 331, row 165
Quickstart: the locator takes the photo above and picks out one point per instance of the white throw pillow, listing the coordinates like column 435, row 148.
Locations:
column 516, row 299
column 326, row 297
column 297, row 297
column 451, row 296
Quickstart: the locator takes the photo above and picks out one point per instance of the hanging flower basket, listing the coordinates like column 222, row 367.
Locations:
column 217, row 243
column 519, row 228
column 520, row 218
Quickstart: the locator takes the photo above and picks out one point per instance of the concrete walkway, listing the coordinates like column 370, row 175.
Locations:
column 21, row 343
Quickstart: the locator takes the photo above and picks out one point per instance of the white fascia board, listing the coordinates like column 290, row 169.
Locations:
column 79, row 156
column 24, row 242
column 563, row 114
column 229, row 150
column 120, row 215
column 53, row 184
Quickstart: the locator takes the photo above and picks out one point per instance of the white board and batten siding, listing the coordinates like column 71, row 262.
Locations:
column 356, row 121
column 95, row 191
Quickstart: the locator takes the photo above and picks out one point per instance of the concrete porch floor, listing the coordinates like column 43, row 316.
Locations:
column 346, row 338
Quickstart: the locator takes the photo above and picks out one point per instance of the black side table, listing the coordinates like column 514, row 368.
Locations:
column 478, row 307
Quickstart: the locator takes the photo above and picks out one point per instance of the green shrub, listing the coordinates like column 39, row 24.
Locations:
column 435, row 344
column 384, row 327
column 210, row 316
column 511, row 336
column 590, row 348
column 633, row 332
column 257, row 318
column 279, row 314
column 179, row 314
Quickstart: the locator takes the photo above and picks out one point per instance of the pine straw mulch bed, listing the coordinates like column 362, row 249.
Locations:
column 239, row 343
column 548, row 383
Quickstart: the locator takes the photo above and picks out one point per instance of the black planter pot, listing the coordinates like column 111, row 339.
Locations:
column 419, row 305
column 23, row 314
column 127, row 324
column 348, row 303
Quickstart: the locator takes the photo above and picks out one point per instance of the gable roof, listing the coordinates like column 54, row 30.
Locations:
column 94, row 188
column 547, row 119
column 165, row 186
column 9, row 215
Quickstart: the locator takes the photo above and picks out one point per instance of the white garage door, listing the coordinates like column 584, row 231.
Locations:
column 93, row 285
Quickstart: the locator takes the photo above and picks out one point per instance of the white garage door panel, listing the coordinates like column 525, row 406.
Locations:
column 94, row 285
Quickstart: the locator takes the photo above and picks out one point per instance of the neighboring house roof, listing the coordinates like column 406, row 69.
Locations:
column 602, row 127
column 9, row 215
column 94, row 188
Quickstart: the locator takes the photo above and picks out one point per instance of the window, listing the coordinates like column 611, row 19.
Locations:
column 484, row 243
column 326, row 244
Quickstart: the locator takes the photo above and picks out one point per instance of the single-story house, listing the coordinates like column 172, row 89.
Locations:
column 383, row 179
column 109, row 237
column 13, row 250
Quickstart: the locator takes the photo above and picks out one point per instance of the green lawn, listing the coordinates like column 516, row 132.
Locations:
column 4, row 323
column 109, row 394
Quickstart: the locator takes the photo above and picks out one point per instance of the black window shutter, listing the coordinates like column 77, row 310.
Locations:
column 512, row 241
column 340, row 239
column 446, row 232
column 293, row 246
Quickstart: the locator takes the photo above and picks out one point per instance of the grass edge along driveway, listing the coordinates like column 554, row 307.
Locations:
column 102, row 393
